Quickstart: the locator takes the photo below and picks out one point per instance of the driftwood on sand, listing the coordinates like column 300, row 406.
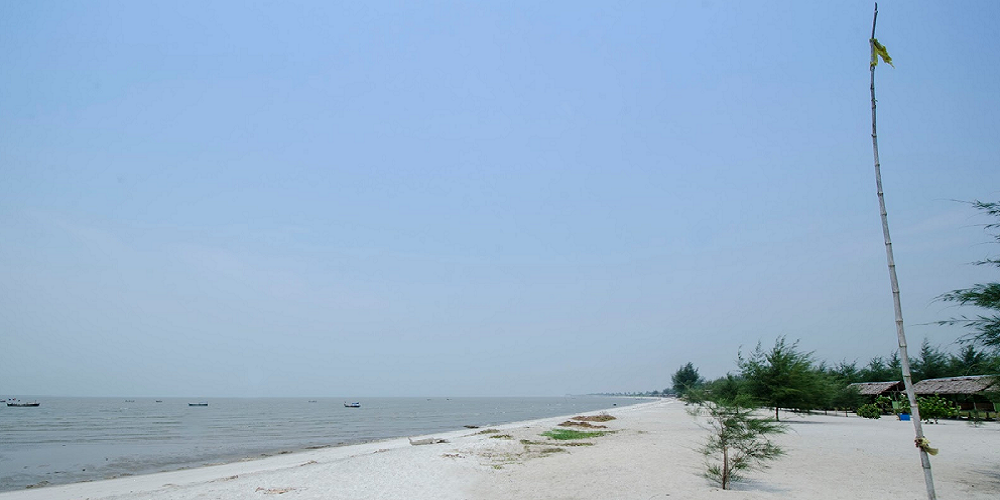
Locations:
column 416, row 442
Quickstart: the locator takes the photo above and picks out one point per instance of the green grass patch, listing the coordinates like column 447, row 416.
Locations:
column 568, row 434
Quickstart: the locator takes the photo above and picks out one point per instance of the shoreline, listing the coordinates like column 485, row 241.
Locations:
column 232, row 430
column 650, row 452
column 276, row 461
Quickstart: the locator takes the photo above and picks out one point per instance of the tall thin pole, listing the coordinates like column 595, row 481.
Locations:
column 925, row 461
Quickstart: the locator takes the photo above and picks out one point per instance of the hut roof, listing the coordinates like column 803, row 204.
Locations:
column 956, row 385
column 876, row 388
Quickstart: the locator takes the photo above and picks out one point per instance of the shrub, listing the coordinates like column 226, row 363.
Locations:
column 901, row 406
column 869, row 411
column 884, row 403
column 935, row 407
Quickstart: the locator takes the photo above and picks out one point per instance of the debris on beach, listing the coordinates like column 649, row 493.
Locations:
column 604, row 417
column 573, row 423
column 274, row 491
column 417, row 442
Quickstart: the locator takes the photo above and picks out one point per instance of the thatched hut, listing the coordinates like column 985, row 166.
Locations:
column 876, row 389
column 971, row 392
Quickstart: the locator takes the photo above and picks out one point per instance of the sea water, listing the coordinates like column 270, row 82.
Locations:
column 69, row 440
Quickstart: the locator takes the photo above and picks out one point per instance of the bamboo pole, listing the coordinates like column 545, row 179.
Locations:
column 925, row 461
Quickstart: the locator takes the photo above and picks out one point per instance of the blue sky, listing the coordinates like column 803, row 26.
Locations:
column 435, row 198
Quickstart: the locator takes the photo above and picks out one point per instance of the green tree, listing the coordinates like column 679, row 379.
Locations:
column 738, row 440
column 895, row 365
column 842, row 397
column 686, row 378
column 846, row 373
column 723, row 388
column 985, row 327
column 970, row 361
column 838, row 393
column 783, row 377
column 932, row 363
column 878, row 370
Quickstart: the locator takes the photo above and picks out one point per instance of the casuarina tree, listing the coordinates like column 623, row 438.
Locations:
column 986, row 326
column 783, row 377
column 738, row 439
column 685, row 379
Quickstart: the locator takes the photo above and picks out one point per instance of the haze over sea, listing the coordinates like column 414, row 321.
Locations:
column 68, row 440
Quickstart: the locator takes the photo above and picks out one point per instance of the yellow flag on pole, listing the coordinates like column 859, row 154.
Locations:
column 879, row 50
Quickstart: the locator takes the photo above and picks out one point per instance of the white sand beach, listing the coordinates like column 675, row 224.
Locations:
column 652, row 455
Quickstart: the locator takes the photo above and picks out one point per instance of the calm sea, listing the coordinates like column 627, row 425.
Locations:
column 67, row 440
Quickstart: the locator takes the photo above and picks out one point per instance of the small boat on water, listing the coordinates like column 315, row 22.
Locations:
column 16, row 403
column 197, row 404
column 352, row 405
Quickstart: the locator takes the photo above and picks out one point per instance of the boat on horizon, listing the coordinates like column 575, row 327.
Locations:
column 198, row 404
column 352, row 405
column 16, row 403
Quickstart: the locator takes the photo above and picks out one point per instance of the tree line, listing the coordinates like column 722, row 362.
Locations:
column 785, row 376
column 785, row 363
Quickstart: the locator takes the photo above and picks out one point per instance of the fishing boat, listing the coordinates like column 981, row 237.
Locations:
column 197, row 404
column 352, row 405
column 18, row 404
